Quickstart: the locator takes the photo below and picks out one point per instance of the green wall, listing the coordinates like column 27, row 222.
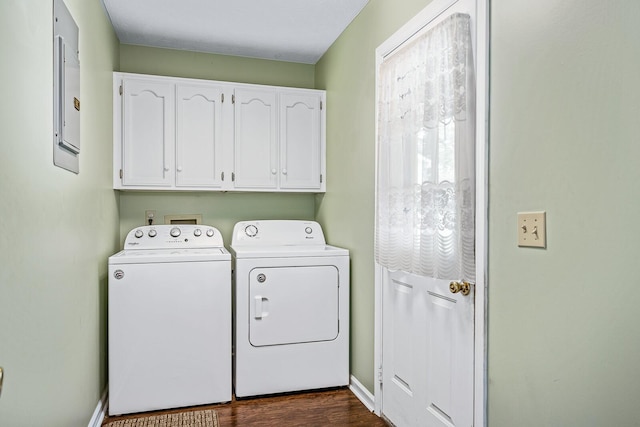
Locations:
column 563, row 334
column 564, row 338
column 221, row 210
column 347, row 72
column 181, row 63
column 58, row 228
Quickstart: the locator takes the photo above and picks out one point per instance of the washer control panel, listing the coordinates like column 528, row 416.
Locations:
column 277, row 233
column 185, row 236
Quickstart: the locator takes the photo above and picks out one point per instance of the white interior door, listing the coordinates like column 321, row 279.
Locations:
column 427, row 358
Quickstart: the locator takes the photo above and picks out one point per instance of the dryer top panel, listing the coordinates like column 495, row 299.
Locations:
column 271, row 233
column 183, row 236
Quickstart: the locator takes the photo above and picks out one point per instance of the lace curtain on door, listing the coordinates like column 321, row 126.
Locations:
column 425, row 219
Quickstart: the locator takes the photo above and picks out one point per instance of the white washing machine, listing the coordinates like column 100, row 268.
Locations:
column 169, row 319
column 292, row 308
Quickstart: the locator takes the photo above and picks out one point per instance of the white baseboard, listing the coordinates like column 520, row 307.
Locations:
column 101, row 410
column 362, row 393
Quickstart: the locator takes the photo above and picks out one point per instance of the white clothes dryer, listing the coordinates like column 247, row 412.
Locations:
column 169, row 319
column 292, row 308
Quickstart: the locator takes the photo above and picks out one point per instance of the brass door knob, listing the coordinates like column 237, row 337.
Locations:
column 463, row 287
column 466, row 288
column 454, row 287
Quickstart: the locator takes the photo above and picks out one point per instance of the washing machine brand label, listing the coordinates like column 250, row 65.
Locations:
column 133, row 243
column 118, row 274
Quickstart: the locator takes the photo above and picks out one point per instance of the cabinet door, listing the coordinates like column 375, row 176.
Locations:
column 256, row 145
column 148, row 119
column 199, row 136
column 300, row 141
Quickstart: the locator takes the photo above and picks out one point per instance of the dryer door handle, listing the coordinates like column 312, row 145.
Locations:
column 261, row 306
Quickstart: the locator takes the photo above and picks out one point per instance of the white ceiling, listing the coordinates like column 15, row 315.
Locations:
column 284, row 30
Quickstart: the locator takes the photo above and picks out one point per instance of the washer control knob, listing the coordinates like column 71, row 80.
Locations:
column 209, row 233
column 139, row 234
column 197, row 232
column 308, row 230
column 251, row 230
column 175, row 232
column 153, row 233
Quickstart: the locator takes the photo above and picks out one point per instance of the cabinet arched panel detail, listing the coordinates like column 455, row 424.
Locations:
column 199, row 156
column 256, row 144
column 147, row 136
column 300, row 121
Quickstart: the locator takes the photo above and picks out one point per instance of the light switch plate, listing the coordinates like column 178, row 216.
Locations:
column 532, row 229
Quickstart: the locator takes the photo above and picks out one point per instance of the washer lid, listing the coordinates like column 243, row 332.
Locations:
column 143, row 256
column 288, row 251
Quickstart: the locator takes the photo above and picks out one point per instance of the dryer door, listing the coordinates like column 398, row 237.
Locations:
column 289, row 305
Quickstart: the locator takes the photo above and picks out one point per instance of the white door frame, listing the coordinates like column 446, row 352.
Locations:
column 482, row 134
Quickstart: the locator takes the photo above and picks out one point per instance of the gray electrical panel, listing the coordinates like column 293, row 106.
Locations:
column 66, row 89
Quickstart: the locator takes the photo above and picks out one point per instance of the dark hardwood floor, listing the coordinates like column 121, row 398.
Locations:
column 337, row 407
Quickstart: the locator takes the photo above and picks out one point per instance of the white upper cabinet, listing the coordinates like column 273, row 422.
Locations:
column 300, row 141
column 278, row 140
column 199, row 144
column 256, row 143
column 186, row 134
column 147, row 137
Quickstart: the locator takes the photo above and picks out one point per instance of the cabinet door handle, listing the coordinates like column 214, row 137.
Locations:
column 222, row 176
column 179, row 169
column 273, row 171
column 284, row 171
